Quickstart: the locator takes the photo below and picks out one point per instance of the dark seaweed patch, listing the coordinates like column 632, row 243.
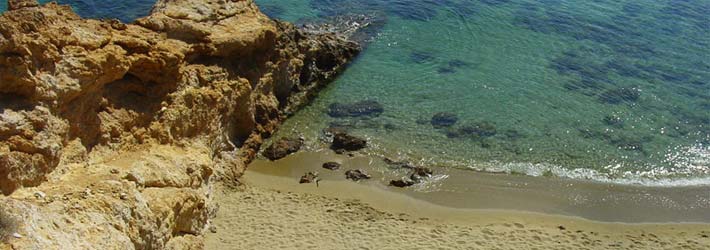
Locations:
column 494, row 2
column 620, row 95
column 619, row 140
column 629, row 142
column 446, row 70
column 418, row 10
column 357, row 109
column 421, row 57
column 585, row 75
column 613, row 121
column 444, row 119
column 513, row 135
column 693, row 11
column 476, row 130
column 626, row 35
column 452, row 66
column 456, row 63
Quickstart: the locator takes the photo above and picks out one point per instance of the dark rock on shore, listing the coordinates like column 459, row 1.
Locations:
column 309, row 177
column 444, row 119
column 357, row 109
column 357, row 175
column 417, row 174
column 331, row 165
column 343, row 141
column 402, row 183
column 423, row 172
column 282, row 148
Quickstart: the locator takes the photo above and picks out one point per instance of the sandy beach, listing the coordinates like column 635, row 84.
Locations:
column 269, row 211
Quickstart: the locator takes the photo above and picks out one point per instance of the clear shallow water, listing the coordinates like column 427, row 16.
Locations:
column 608, row 90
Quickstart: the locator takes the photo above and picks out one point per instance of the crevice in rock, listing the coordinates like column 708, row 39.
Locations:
column 134, row 95
column 15, row 102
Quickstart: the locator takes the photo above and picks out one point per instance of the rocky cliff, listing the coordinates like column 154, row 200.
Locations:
column 112, row 134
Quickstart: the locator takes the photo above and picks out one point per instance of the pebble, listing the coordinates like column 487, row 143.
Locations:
column 40, row 195
column 17, row 235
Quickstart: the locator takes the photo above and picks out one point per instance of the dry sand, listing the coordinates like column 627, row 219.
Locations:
column 275, row 212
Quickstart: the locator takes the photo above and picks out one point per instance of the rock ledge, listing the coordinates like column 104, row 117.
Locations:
column 112, row 134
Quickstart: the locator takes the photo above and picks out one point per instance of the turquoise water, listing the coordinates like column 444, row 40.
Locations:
column 609, row 90
column 614, row 91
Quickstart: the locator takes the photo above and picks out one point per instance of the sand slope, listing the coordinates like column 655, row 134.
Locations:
column 259, row 217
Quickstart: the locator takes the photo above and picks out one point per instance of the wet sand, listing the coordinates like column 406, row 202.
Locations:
column 272, row 211
column 474, row 190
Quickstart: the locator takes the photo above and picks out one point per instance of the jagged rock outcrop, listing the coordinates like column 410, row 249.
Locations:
column 112, row 134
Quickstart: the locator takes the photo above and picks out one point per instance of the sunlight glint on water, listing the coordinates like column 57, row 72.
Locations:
column 612, row 91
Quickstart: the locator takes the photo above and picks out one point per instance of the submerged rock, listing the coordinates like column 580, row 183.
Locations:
column 614, row 121
column 452, row 66
column 282, row 148
column 357, row 175
column 357, row 109
column 446, row 70
column 620, row 95
column 420, row 57
column 444, row 119
column 343, row 141
column 476, row 130
column 361, row 28
column 456, row 63
column 398, row 164
column 331, row 165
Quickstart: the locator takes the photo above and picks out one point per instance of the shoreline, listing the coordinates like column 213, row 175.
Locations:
column 467, row 189
column 270, row 211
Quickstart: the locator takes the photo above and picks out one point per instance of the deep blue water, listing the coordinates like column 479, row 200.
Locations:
column 124, row 10
column 609, row 90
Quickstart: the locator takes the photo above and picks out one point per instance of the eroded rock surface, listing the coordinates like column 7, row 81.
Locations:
column 282, row 148
column 122, row 128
